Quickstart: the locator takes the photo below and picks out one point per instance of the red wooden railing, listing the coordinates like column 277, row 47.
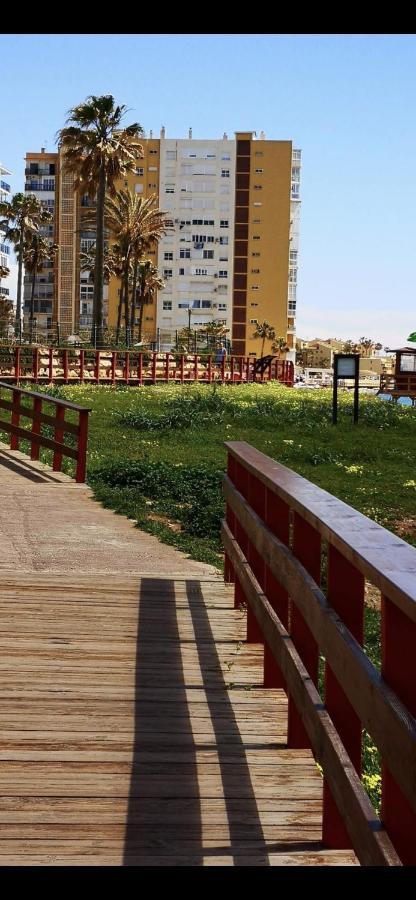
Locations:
column 276, row 526
column 403, row 384
column 52, row 365
column 33, row 432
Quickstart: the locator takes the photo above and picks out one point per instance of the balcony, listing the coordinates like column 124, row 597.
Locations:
column 4, row 248
column 40, row 171
column 40, row 186
column 5, row 292
column 4, row 186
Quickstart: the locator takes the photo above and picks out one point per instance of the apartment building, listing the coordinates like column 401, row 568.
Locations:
column 5, row 195
column 230, row 254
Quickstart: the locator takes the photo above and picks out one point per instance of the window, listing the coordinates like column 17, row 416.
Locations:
column 152, row 168
column 206, row 304
column 223, row 273
column 201, row 271
column 223, row 223
column 255, row 254
column 138, row 188
column 225, row 173
column 225, row 156
column 183, row 305
column 152, row 185
column 293, row 257
column 292, row 307
column 196, row 304
column 254, row 287
column 170, row 154
column 169, row 223
column 255, row 271
column 208, row 254
column 222, row 306
column 210, row 156
column 296, row 155
column 256, row 237
column 167, row 273
column 253, row 321
column 259, row 171
column 184, row 254
column 184, row 222
column 258, row 187
column 168, row 255
column 181, row 272
column 256, row 221
column 224, row 239
column 153, row 152
column 258, row 203
column 139, row 171
column 167, row 304
column 223, row 258
column 258, row 153
column 254, row 304
column 170, row 189
column 293, row 275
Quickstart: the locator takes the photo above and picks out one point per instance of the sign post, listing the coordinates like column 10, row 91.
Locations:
column 346, row 365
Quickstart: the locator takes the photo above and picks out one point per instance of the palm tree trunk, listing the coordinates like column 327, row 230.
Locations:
column 19, row 283
column 120, row 307
column 32, row 305
column 262, row 346
column 133, row 296
column 141, row 315
column 126, row 299
column 97, row 309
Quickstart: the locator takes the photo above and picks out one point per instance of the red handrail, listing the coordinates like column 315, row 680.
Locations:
column 33, row 432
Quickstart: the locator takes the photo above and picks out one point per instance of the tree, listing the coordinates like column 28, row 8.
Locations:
column 280, row 346
column 214, row 332
column 22, row 218
column 366, row 344
column 4, row 272
column 98, row 151
column 6, row 312
column 149, row 282
column 136, row 224
column 266, row 332
column 349, row 347
column 36, row 252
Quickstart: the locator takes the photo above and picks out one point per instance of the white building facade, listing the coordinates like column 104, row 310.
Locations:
column 5, row 254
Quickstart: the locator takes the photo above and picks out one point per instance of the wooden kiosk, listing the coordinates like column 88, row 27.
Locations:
column 403, row 382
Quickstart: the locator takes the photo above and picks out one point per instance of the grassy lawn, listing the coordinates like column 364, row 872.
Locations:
column 157, row 454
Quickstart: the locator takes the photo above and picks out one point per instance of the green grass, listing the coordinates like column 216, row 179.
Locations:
column 156, row 454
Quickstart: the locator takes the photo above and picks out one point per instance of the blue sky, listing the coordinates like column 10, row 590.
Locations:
column 346, row 101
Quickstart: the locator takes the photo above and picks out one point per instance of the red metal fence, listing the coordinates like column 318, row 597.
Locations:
column 63, row 366
column 32, row 431
column 277, row 526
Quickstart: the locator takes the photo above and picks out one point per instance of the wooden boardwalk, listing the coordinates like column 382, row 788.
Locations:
column 134, row 730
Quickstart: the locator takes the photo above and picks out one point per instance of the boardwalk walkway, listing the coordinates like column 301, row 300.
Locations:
column 133, row 726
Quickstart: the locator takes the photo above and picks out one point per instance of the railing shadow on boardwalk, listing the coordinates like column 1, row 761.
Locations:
column 170, row 821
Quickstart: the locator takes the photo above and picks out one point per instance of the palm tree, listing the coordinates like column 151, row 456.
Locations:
column 349, row 347
column 98, row 151
column 35, row 254
column 266, row 332
column 280, row 346
column 366, row 344
column 22, row 218
column 136, row 224
column 149, row 282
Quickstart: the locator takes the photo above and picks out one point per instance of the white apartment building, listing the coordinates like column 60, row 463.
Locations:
column 196, row 188
column 5, row 260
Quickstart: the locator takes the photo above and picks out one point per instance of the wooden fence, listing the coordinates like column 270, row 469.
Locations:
column 64, row 366
column 300, row 559
column 32, row 430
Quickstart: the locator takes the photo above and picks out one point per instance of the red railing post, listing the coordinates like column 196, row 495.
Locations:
column 256, row 497
column 278, row 520
column 210, row 369
column 229, row 576
column 81, row 364
column 232, row 364
column 17, row 364
column 307, row 549
column 65, row 364
column 182, row 368
column 346, row 595
column 195, row 367
column 127, row 366
column 50, row 365
column 36, row 364
column 140, row 368
column 82, row 447
column 15, row 420
column 223, row 368
column 398, row 668
column 97, row 366
column 59, row 435
column 154, row 367
column 167, row 361
column 113, row 366
column 36, row 425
